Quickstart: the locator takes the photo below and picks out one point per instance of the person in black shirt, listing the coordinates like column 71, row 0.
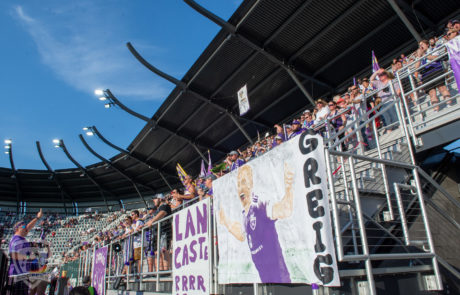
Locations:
column 162, row 209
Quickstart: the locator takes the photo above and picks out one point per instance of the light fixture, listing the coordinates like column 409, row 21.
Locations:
column 98, row 92
column 102, row 98
column 57, row 143
column 7, row 152
column 85, row 128
column 89, row 133
column 8, row 141
column 8, row 146
column 108, row 105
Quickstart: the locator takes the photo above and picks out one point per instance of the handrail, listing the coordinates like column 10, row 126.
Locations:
column 438, row 187
column 409, row 65
column 392, row 104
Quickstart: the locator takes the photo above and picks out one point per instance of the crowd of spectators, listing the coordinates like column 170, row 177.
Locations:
column 329, row 115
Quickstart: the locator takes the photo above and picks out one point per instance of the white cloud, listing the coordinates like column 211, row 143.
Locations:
column 84, row 51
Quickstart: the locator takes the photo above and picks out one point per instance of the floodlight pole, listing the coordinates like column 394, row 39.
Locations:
column 110, row 164
column 15, row 176
column 126, row 153
column 55, row 177
column 83, row 170
column 152, row 122
column 232, row 31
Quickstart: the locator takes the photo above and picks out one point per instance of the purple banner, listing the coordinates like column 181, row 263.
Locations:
column 99, row 269
column 453, row 47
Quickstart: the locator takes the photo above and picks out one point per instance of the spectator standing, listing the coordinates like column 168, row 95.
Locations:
column 162, row 210
column 21, row 256
column 383, row 83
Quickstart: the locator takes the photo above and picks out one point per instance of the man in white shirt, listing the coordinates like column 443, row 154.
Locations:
column 137, row 240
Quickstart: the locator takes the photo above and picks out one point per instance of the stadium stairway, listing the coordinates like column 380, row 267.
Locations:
column 404, row 214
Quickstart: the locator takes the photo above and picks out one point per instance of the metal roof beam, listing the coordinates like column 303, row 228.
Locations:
column 82, row 169
column 292, row 17
column 126, row 153
column 133, row 182
column 229, row 28
column 405, row 20
column 156, row 124
column 356, row 44
column 406, row 7
column 324, row 30
column 55, row 177
column 186, row 88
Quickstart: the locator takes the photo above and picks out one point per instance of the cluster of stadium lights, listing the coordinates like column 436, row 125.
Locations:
column 104, row 97
column 88, row 130
column 8, row 143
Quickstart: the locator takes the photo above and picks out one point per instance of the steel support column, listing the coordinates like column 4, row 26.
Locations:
column 126, row 153
column 301, row 87
column 82, row 169
column 252, row 44
column 152, row 122
column 405, row 20
column 185, row 88
column 133, row 182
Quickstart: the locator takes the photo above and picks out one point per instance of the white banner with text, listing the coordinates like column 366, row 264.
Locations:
column 273, row 218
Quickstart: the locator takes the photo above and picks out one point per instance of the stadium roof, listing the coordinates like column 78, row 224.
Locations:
column 266, row 44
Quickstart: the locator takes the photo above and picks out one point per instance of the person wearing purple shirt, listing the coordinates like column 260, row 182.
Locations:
column 21, row 254
column 235, row 161
column 296, row 130
column 259, row 226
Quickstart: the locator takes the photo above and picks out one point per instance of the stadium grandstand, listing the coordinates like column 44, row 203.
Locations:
column 340, row 166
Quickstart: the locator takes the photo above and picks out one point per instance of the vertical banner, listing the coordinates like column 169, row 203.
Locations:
column 192, row 251
column 273, row 220
column 99, row 270
column 453, row 48
column 243, row 100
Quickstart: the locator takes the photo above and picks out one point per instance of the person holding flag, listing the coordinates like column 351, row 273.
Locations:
column 187, row 181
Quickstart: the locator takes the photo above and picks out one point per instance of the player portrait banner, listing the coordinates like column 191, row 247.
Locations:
column 273, row 220
column 243, row 100
column 191, row 250
column 99, row 267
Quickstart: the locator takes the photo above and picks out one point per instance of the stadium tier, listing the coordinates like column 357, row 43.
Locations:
column 341, row 196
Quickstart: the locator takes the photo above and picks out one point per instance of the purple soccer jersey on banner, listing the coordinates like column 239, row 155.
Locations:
column 264, row 245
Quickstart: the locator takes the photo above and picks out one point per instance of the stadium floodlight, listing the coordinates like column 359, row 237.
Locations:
column 7, row 146
column 102, row 98
column 85, row 128
column 7, row 152
column 8, row 141
column 108, row 105
column 57, row 143
column 89, row 133
column 99, row 92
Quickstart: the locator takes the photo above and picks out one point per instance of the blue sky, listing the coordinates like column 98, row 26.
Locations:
column 55, row 53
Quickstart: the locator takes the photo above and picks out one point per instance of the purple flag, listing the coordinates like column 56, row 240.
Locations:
column 375, row 63
column 202, row 170
column 99, row 266
column 354, row 81
column 453, row 48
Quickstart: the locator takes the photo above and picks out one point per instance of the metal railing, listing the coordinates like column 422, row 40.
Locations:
column 378, row 204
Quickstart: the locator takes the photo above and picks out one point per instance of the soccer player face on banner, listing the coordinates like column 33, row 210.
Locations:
column 245, row 185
